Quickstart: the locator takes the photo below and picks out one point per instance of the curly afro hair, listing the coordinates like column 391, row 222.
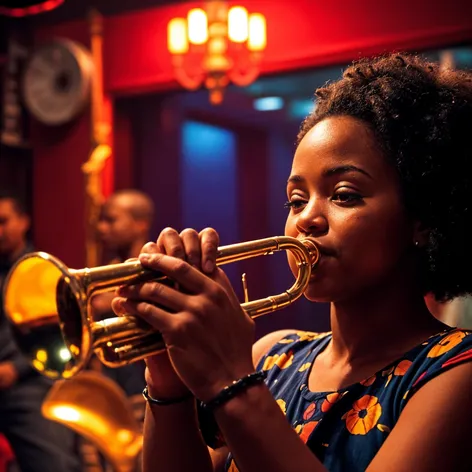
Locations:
column 421, row 116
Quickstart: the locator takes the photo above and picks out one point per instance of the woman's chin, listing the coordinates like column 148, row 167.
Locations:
column 318, row 296
column 324, row 289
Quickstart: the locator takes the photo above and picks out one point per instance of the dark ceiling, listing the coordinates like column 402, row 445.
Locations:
column 69, row 10
column 75, row 9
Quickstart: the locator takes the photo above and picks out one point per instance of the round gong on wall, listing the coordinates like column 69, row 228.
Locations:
column 57, row 81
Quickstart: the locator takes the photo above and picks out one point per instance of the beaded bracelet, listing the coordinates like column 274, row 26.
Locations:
column 232, row 390
column 171, row 401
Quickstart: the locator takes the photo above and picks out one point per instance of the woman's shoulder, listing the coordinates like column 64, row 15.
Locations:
column 444, row 345
column 284, row 340
column 438, row 354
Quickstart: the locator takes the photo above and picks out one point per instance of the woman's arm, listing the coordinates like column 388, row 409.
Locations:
column 258, row 433
column 169, row 428
column 172, row 439
column 434, row 430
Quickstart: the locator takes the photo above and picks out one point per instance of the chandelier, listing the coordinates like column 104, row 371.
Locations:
column 216, row 45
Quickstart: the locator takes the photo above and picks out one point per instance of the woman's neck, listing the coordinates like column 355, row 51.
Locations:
column 386, row 323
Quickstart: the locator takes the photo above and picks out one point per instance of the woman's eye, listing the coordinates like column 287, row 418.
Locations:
column 294, row 204
column 346, row 197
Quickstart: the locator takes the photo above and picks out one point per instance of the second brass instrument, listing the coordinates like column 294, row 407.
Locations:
column 48, row 305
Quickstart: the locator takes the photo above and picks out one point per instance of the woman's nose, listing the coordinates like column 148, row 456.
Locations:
column 312, row 220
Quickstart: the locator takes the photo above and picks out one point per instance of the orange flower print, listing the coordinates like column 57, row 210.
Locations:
column 368, row 382
column 384, row 428
column 388, row 372
column 310, row 411
column 400, row 369
column 364, row 415
column 282, row 361
column 330, row 400
column 446, row 344
column 283, row 405
column 307, row 430
column 304, row 367
column 308, row 336
column 286, row 341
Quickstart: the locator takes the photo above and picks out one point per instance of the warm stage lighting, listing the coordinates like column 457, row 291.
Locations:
column 216, row 45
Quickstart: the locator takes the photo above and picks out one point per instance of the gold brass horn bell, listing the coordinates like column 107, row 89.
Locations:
column 96, row 408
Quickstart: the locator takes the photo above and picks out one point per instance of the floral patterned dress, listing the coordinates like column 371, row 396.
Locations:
column 346, row 428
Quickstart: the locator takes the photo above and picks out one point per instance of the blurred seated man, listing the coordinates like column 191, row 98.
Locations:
column 39, row 444
column 123, row 229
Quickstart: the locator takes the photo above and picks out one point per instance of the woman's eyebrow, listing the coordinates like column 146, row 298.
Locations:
column 343, row 170
column 295, row 179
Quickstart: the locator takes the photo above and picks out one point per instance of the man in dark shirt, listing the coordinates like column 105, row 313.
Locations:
column 39, row 445
column 123, row 229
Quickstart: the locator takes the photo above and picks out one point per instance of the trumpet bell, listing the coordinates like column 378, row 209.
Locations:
column 42, row 299
column 96, row 408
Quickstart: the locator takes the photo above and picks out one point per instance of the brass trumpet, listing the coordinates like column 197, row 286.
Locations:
column 48, row 305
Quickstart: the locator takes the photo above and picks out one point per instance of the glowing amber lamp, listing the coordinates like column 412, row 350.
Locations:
column 216, row 28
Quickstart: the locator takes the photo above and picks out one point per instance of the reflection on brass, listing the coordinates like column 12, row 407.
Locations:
column 245, row 290
column 49, row 306
column 95, row 407
column 100, row 142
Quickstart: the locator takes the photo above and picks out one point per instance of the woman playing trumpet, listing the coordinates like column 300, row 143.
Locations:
column 381, row 182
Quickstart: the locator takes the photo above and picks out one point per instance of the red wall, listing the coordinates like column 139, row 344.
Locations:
column 301, row 33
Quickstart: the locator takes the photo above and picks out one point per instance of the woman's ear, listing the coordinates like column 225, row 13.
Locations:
column 420, row 234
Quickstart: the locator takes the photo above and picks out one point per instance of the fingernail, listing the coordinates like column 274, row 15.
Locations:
column 144, row 257
column 209, row 265
column 119, row 306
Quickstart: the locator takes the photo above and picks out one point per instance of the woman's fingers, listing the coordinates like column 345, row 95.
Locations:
column 154, row 292
column 191, row 243
column 170, row 243
column 209, row 242
column 200, row 250
column 188, row 277
column 156, row 317
column 150, row 247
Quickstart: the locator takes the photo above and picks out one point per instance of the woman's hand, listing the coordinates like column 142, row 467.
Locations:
column 208, row 335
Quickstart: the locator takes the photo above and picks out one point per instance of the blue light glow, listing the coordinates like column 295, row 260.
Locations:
column 268, row 103
column 299, row 109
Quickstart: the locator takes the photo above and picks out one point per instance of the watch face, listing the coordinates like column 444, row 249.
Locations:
column 56, row 83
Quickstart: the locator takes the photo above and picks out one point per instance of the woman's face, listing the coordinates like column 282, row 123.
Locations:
column 343, row 193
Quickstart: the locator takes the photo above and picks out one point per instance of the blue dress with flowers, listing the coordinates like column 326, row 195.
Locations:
column 346, row 428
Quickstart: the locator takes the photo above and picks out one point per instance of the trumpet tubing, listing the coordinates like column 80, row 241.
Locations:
column 48, row 305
